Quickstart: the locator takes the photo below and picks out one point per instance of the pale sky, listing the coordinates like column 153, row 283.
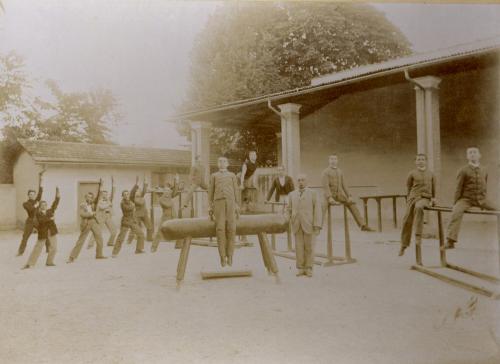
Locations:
column 140, row 49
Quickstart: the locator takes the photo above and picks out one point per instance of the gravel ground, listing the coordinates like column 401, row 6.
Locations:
column 128, row 310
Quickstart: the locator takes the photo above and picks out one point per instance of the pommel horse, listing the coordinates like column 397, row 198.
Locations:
column 203, row 227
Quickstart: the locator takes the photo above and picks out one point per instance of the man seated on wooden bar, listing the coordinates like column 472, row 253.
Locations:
column 335, row 190
column 472, row 181
column 421, row 185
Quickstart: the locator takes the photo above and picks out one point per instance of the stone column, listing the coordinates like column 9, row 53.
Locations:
column 279, row 147
column 200, row 145
column 428, row 124
column 290, row 138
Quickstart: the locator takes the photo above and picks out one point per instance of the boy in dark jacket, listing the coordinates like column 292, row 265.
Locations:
column 421, row 185
column 47, row 232
column 472, row 181
column 31, row 206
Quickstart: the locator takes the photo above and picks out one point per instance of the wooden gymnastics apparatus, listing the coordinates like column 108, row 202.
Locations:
column 433, row 272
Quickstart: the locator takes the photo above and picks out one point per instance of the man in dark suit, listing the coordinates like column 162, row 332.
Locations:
column 281, row 187
column 31, row 207
column 47, row 232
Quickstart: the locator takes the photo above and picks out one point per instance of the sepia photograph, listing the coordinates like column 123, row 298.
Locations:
column 249, row 182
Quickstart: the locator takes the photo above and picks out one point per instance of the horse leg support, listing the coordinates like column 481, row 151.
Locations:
column 267, row 256
column 181, row 266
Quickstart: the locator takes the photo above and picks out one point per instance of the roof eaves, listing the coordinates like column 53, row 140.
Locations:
column 329, row 84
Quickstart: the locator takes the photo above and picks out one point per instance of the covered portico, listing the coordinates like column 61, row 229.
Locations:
column 284, row 111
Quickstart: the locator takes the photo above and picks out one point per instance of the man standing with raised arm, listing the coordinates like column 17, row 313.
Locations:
column 88, row 224
column 142, row 213
column 47, row 232
column 31, row 206
column 129, row 222
column 104, row 214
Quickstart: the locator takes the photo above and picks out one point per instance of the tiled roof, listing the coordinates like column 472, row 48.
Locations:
column 417, row 59
column 84, row 153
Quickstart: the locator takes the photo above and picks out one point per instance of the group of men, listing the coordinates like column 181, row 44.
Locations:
column 470, row 191
column 229, row 194
column 95, row 215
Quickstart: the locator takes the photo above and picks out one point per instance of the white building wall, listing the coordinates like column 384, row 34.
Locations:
column 7, row 207
column 67, row 178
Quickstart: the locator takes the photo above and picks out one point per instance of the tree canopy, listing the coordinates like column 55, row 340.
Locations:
column 252, row 49
column 64, row 116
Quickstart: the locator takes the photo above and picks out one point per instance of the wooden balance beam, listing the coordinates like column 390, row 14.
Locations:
column 444, row 263
column 192, row 228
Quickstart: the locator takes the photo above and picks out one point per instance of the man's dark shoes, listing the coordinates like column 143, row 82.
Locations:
column 366, row 228
column 402, row 251
column 50, row 265
column 450, row 244
column 27, row 266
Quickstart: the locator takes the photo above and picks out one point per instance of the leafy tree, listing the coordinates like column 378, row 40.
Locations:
column 76, row 117
column 252, row 49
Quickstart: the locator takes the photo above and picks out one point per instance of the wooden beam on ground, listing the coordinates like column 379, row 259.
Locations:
column 226, row 274
column 291, row 256
column 457, row 283
column 473, row 273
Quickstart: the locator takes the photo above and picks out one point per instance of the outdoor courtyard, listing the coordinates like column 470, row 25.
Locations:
column 128, row 310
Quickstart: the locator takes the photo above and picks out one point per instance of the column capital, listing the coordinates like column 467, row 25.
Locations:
column 290, row 108
column 200, row 124
column 428, row 81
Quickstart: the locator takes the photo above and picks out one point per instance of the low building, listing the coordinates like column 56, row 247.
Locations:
column 77, row 167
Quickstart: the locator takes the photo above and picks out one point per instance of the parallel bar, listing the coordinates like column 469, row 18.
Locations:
column 329, row 235
column 456, row 282
column 365, row 206
column 442, row 251
column 347, row 238
column 395, row 212
column 379, row 213
column 418, row 253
